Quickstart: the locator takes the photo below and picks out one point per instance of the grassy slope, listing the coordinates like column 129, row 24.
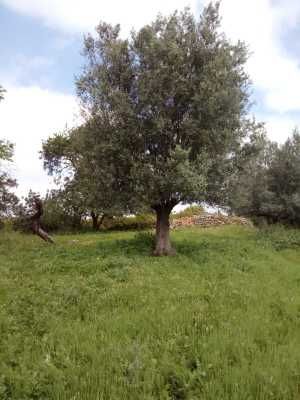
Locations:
column 96, row 317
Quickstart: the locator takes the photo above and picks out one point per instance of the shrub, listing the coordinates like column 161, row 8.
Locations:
column 135, row 222
column 55, row 219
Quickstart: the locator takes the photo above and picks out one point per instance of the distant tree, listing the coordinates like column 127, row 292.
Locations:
column 269, row 186
column 63, row 209
column 284, row 181
column 246, row 187
column 169, row 111
column 84, row 172
column 8, row 200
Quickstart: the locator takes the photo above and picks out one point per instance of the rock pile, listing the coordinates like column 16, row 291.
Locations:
column 207, row 220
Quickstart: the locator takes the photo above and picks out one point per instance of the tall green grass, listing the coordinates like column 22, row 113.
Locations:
column 96, row 317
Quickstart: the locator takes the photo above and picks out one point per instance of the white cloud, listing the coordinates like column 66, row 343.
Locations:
column 27, row 69
column 84, row 15
column 287, row 12
column 27, row 116
column 260, row 23
column 279, row 127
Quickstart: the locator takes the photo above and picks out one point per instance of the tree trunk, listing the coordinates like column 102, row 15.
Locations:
column 36, row 227
column 101, row 221
column 41, row 233
column 163, row 245
column 96, row 223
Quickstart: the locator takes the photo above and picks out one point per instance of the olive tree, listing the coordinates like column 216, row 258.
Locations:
column 173, row 99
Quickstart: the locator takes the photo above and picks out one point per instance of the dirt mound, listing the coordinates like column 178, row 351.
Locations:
column 207, row 220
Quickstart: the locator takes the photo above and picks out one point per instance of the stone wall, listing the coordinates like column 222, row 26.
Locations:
column 207, row 220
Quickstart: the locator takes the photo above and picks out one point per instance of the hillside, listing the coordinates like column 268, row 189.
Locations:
column 96, row 317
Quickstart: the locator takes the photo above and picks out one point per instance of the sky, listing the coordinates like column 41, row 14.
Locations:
column 40, row 56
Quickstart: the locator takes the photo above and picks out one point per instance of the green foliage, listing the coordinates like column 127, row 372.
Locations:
column 268, row 189
column 136, row 222
column 56, row 153
column 283, row 179
column 166, row 118
column 166, row 115
column 189, row 212
column 21, row 220
column 63, row 211
column 6, row 150
column 8, row 200
column 83, row 171
column 94, row 317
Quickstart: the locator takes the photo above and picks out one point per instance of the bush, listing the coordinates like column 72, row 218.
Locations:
column 136, row 222
column 21, row 223
column 55, row 219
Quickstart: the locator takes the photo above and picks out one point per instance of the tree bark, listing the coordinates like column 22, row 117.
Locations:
column 101, row 221
column 96, row 223
column 163, row 245
column 36, row 225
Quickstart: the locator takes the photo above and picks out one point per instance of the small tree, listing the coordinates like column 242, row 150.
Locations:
column 85, row 172
column 168, row 107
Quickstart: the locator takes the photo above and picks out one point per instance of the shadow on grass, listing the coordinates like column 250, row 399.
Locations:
column 142, row 244
column 96, row 252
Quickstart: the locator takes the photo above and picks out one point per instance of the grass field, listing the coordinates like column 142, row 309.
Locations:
column 96, row 317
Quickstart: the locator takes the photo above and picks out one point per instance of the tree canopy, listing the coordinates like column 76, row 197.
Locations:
column 86, row 174
column 166, row 115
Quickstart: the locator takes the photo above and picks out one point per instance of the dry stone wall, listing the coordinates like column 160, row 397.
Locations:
column 207, row 220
